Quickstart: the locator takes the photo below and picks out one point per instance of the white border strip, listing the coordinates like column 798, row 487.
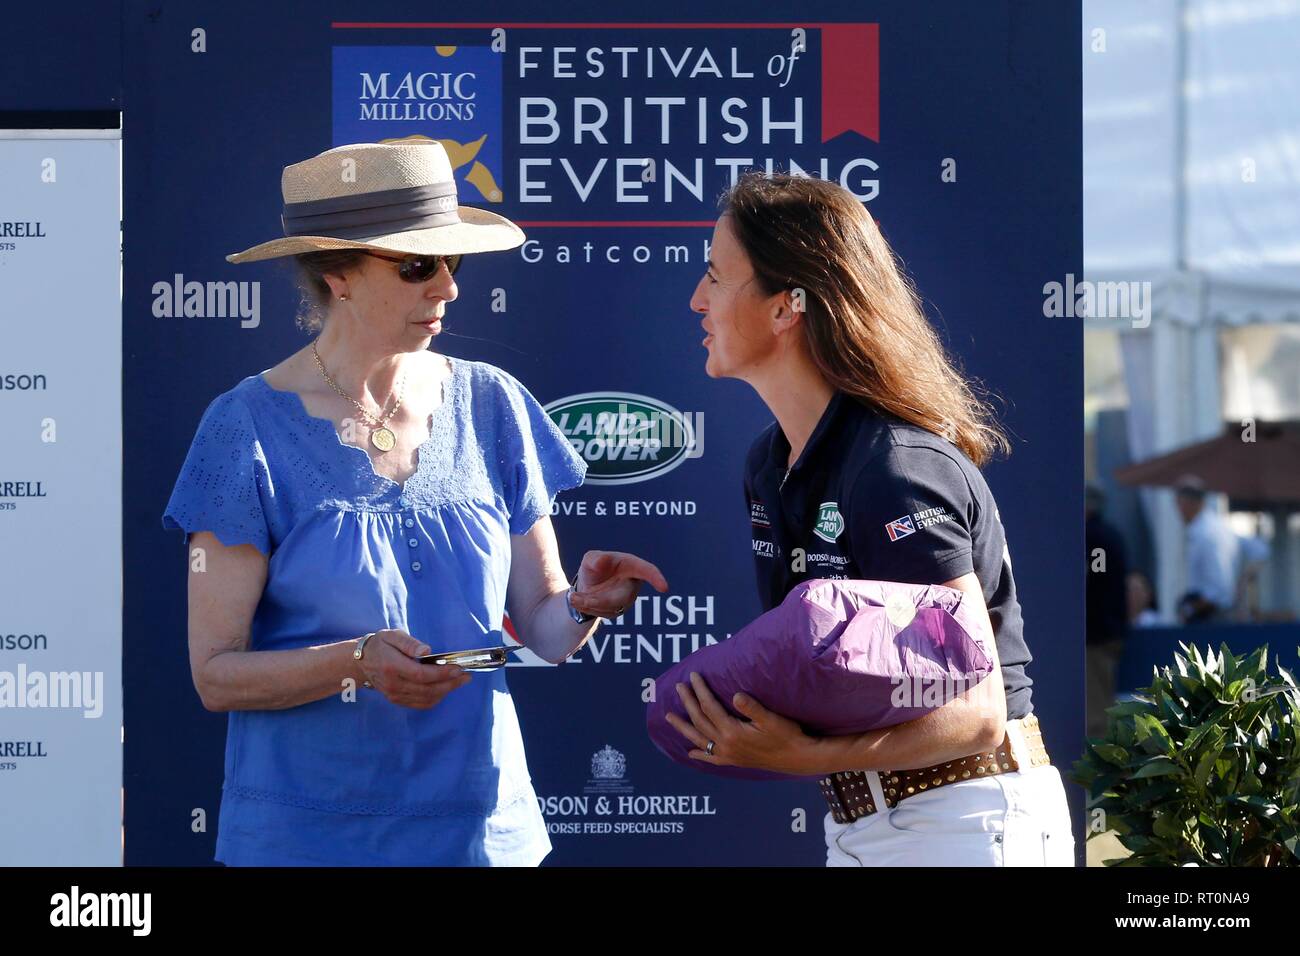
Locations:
column 60, row 134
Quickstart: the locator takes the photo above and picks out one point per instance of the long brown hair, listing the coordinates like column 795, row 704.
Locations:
column 862, row 317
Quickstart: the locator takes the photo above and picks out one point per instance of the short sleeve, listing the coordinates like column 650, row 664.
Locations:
column 224, row 482
column 537, row 460
column 911, row 514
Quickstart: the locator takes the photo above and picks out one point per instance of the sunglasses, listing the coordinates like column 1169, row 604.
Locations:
column 420, row 268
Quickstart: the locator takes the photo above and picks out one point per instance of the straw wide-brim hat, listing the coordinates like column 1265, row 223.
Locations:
column 391, row 197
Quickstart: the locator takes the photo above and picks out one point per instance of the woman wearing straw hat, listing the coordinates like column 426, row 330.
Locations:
column 365, row 503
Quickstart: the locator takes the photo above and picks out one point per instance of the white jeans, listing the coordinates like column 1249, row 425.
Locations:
column 1010, row 819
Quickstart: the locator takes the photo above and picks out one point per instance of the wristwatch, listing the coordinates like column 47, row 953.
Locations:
column 578, row 616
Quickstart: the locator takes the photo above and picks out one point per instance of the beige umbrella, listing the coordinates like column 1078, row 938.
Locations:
column 1257, row 475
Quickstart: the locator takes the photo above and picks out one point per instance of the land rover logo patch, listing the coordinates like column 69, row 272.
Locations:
column 830, row 523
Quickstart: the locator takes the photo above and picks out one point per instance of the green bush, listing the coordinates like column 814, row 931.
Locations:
column 1203, row 768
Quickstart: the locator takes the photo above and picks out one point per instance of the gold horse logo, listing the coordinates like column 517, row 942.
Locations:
column 479, row 176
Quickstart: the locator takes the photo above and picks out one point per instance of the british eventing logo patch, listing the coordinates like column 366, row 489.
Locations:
column 917, row 521
column 899, row 527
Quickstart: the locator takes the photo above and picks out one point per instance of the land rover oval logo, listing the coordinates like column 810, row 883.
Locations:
column 623, row 438
column 830, row 523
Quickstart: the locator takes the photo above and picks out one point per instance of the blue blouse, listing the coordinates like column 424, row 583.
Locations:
column 368, row 782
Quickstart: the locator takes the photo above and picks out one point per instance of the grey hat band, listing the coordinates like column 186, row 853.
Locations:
column 373, row 213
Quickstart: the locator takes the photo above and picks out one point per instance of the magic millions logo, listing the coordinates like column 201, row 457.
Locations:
column 626, row 438
column 448, row 94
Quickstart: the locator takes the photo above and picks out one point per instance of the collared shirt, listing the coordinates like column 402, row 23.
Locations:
column 359, row 780
column 874, row 497
column 1212, row 551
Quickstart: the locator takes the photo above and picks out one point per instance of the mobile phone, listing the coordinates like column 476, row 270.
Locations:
column 475, row 659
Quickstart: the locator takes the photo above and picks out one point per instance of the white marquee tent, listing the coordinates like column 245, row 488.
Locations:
column 1191, row 134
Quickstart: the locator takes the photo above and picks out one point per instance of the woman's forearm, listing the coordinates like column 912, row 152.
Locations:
column 551, row 634
column 277, row 680
column 957, row 729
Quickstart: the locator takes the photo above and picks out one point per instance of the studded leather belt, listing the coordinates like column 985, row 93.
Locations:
column 853, row 794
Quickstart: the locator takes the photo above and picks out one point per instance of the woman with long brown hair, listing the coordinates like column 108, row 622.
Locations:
column 871, row 471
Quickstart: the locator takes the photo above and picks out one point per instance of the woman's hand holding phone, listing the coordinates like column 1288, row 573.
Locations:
column 391, row 664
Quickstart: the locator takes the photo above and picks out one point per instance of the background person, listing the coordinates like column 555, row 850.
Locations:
column 1143, row 608
column 1106, row 605
column 1211, row 555
column 1252, row 554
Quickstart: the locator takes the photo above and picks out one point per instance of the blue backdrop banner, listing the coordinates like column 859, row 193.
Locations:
column 957, row 124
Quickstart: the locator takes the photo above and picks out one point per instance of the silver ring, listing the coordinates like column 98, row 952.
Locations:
column 709, row 749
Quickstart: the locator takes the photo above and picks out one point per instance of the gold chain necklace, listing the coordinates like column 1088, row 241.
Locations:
column 380, row 435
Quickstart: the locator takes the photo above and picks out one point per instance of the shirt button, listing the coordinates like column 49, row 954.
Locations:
column 415, row 565
column 404, row 501
column 410, row 522
column 413, row 542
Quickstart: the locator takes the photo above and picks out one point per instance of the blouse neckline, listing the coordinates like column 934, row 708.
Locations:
column 440, row 415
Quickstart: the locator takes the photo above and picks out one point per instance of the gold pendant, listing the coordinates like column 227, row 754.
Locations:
column 383, row 439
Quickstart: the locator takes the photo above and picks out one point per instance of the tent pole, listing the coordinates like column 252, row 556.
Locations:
column 1180, row 139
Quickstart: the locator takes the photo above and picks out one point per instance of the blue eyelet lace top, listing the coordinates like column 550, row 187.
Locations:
column 368, row 782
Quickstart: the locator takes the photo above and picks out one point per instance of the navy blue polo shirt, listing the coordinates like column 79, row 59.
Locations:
column 874, row 497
